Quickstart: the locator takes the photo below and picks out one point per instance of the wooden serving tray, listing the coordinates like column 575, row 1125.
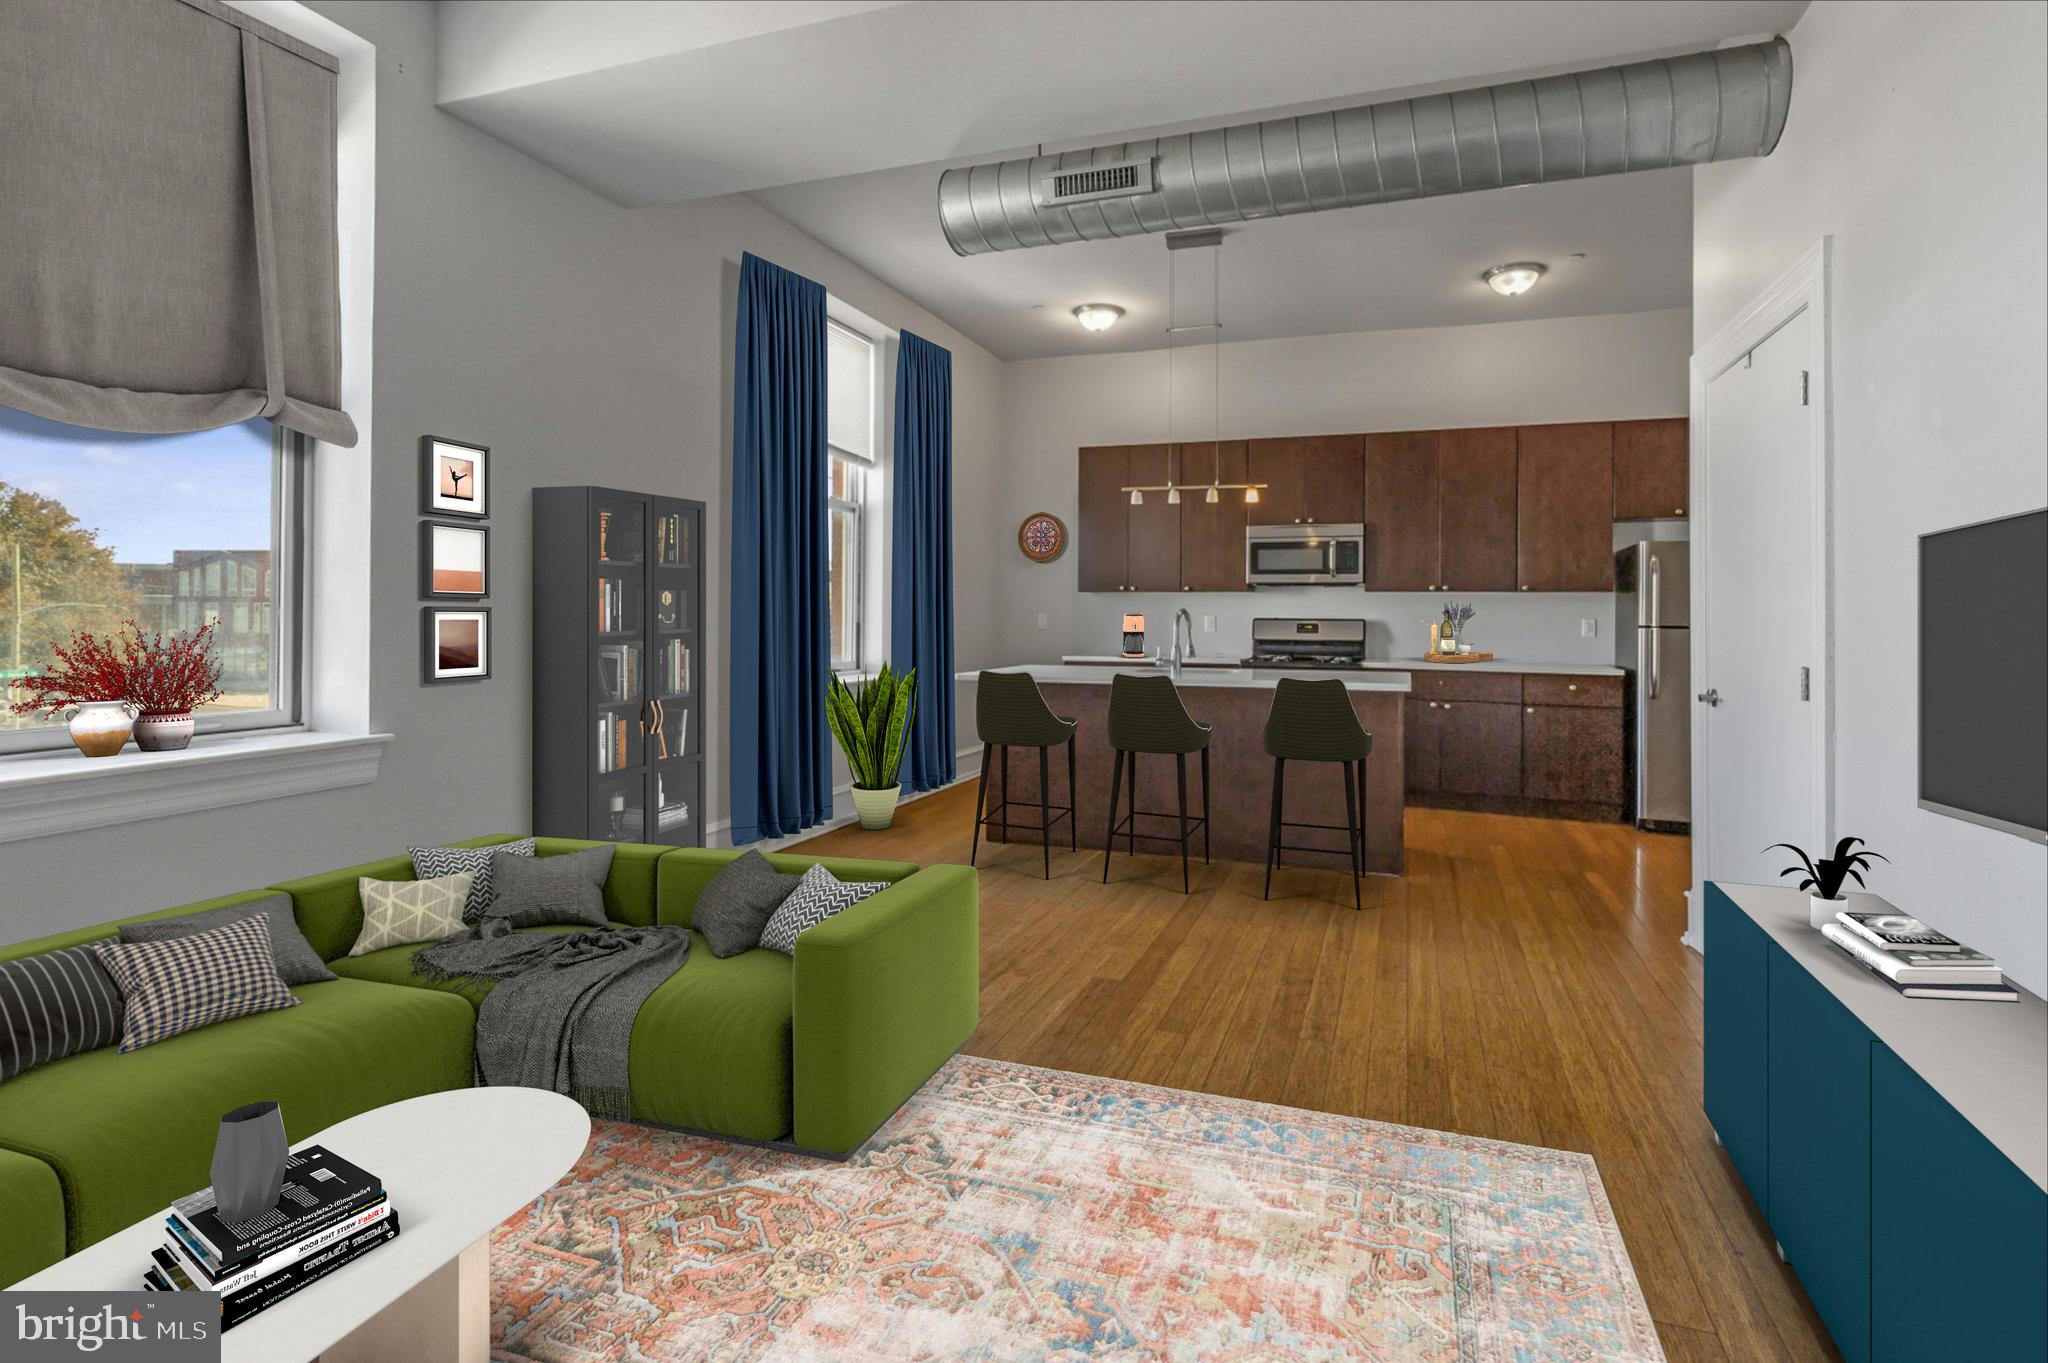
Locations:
column 1473, row 657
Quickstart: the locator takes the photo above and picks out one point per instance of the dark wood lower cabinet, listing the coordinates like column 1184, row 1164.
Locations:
column 1483, row 748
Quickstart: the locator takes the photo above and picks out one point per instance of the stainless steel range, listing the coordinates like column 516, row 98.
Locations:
column 1322, row 645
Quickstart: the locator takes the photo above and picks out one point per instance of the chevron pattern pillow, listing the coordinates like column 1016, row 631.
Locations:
column 818, row 896
column 430, row 863
column 190, row 982
column 396, row 912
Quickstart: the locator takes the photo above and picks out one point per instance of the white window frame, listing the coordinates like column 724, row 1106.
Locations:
column 863, row 473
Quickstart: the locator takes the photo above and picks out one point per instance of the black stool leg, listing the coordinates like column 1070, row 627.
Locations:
column 980, row 802
column 1131, row 847
column 1181, row 763
column 1273, row 823
column 1045, row 811
column 1362, row 843
column 1116, row 790
column 1004, row 777
column 1351, row 828
column 1205, row 807
column 1073, row 818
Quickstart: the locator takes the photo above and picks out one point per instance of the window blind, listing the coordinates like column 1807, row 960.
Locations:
column 849, row 392
column 168, row 254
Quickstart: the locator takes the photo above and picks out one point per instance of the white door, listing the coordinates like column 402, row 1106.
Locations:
column 1762, row 613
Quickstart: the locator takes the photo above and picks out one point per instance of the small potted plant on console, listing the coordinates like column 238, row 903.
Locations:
column 1824, row 878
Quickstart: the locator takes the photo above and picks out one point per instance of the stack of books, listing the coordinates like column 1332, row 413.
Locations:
column 1915, row 959
column 329, row 1214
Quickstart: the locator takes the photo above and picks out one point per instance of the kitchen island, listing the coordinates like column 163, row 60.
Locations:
column 1233, row 702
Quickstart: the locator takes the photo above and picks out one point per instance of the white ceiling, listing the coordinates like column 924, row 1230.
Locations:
column 839, row 115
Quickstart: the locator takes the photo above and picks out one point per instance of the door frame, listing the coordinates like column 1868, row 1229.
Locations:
column 1805, row 286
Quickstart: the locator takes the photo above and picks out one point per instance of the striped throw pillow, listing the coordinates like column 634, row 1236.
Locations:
column 54, row 1005
column 190, row 982
column 429, row 863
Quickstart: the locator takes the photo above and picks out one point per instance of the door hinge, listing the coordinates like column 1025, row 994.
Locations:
column 1806, row 683
column 1805, row 388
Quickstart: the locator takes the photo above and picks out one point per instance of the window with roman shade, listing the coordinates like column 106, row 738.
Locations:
column 167, row 229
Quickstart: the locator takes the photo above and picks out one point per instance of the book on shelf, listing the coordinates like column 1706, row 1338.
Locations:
column 1898, row 930
column 604, row 527
column 319, row 1187
column 1902, row 978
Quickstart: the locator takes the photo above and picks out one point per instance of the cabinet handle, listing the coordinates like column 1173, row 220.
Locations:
column 1678, row 511
column 1525, row 586
column 1447, row 705
column 1432, row 705
column 1571, row 686
column 1530, row 711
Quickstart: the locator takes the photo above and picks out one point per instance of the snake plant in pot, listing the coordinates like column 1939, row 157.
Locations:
column 870, row 721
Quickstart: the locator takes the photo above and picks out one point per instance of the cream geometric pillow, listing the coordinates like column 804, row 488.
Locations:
column 396, row 912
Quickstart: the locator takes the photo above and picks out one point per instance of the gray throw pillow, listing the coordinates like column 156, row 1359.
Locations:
column 296, row 961
column 819, row 895
column 736, row 905
column 532, row 892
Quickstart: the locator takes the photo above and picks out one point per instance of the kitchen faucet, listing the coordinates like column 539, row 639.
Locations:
column 1181, row 617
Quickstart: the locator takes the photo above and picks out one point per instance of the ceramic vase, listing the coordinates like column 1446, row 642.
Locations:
column 877, row 808
column 163, row 730
column 100, row 728
column 248, row 1161
column 1821, row 912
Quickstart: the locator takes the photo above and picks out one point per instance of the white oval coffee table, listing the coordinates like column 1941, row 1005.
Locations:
column 454, row 1164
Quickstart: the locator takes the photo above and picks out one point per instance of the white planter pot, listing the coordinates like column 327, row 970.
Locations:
column 877, row 808
column 1821, row 912
column 163, row 730
column 100, row 728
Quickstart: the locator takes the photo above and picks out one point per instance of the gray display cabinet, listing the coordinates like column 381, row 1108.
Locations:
column 618, row 666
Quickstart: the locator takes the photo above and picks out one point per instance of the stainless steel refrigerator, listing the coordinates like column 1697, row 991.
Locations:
column 1653, row 644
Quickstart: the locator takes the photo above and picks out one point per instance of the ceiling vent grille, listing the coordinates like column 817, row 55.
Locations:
column 1095, row 182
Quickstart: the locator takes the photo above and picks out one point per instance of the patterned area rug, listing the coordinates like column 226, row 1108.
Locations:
column 1009, row 1213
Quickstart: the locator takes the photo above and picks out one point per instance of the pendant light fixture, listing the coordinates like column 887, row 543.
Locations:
column 1212, row 239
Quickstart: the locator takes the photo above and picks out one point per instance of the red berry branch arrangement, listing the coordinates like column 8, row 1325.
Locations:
column 155, row 675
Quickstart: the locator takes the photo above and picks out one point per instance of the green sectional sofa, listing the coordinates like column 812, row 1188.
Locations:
column 814, row 1051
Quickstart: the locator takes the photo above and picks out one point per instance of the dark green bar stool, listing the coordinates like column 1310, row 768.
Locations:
column 1010, row 712
column 1312, row 721
column 1145, row 715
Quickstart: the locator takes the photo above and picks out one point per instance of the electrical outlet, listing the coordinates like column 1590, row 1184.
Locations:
column 1208, row 624
column 1041, row 619
column 1589, row 628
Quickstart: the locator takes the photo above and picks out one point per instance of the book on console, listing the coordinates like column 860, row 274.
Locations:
column 238, row 1307
column 319, row 1187
column 205, row 1279
column 1909, row 965
column 1864, row 955
column 1897, row 930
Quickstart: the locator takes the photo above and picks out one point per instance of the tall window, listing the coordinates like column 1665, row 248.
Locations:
column 850, row 436
column 169, row 531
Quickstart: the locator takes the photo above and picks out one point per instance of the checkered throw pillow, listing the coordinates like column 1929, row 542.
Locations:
column 818, row 896
column 189, row 982
column 430, row 863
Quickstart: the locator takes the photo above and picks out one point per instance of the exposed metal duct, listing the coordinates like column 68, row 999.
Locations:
column 1679, row 111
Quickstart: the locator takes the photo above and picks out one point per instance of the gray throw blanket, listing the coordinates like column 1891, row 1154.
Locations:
column 561, row 1016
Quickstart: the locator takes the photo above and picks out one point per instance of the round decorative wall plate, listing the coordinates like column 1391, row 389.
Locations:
column 1042, row 537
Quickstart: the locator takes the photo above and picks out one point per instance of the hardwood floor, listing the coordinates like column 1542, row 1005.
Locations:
column 1524, row 981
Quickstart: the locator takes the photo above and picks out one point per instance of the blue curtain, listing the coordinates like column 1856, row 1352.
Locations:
column 921, row 576
column 780, row 761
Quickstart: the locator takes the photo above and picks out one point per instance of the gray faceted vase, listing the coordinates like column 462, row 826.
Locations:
column 248, row 1161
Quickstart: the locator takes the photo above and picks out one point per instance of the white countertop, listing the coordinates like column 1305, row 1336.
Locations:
column 1238, row 678
column 1383, row 665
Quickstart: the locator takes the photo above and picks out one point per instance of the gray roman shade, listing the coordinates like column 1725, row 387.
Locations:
column 167, row 237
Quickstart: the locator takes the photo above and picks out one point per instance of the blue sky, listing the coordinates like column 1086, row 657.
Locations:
column 147, row 494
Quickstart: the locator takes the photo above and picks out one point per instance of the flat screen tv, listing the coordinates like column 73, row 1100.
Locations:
column 1984, row 706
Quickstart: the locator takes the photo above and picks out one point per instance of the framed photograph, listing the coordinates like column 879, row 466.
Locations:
column 457, row 646
column 455, row 560
column 455, row 478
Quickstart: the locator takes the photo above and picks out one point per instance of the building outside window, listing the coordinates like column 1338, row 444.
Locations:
column 168, row 531
column 850, row 438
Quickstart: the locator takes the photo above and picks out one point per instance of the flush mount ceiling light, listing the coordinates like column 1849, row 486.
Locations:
column 1098, row 316
column 1509, row 280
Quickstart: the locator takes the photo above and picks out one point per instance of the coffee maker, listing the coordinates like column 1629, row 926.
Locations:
column 1134, row 636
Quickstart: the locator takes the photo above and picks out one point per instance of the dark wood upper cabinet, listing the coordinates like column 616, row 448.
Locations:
column 1652, row 475
column 1333, row 480
column 1564, row 507
column 1281, row 464
column 1102, row 537
column 1480, row 751
column 1212, row 533
column 1476, row 509
column 1401, row 512
column 1154, row 558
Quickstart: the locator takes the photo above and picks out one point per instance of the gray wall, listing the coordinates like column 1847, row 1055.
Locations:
column 1917, row 137
column 583, row 343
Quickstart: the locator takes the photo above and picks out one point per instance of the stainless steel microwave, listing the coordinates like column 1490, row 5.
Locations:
column 1298, row 555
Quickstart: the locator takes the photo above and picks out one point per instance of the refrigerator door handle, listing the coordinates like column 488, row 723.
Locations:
column 1656, row 592
column 1656, row 661
column 1656, row 632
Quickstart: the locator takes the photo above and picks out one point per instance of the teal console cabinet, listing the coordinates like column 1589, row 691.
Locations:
column 1898, row 1147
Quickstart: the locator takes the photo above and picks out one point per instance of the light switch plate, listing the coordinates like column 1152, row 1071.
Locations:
column 1208, row 624
column 1589, row 628
column 1041, row 619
